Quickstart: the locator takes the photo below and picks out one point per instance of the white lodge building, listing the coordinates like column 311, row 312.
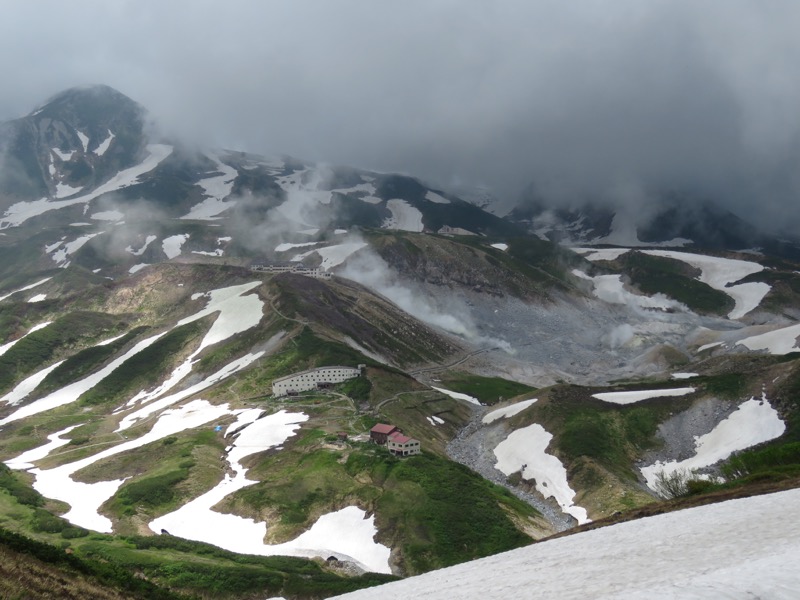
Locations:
column 313, row 379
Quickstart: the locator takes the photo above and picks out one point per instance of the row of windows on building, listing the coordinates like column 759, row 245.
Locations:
column 308, row 380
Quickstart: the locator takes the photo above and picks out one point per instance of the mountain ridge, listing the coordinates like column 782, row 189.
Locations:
column 553, row 375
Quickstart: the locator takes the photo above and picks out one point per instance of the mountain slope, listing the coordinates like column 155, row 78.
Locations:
column 76, row 141
column 145, row 316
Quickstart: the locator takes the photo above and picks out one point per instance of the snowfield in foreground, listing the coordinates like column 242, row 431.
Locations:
column 740, row 549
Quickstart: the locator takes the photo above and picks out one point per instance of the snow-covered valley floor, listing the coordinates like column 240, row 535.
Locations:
column 746, row 548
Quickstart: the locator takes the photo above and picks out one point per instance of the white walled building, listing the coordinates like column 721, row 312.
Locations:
column 402, row 445
column 313, row 379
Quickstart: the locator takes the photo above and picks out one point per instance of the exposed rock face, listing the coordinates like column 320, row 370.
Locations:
column 487, row 271
column 76, row 140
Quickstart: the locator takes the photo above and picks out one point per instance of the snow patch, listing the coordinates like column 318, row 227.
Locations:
column 61, row 255
column 20, row 212
column 84, row 139
column 507, row 411
column 65, row 156
column 26, row 459
column 85, row 499
column 457, row 395
column 709, row 346
column 101, row 149
column 27, row 287
column 72, row 392
column 611, row 289
column 684, row 375
column 331, row 256
column 148, row 240
column 137, row 268
column 107, row 215
column 6, row 347
column 237, row 313
column 525, row 450
column 367, row 187
column 500, row 246
column 225, row 372
column 346, row 531
column 754, row 422
column 720, row 273
column 172, row 245
column 436, row 198
column 631, row 397
column 216, row 189
column 244, row 417
column 594, row 254
column 780, row 341
column 26, row 386
column 38, row 298
column 63, row 190
column 285, row 246
column 404, row 216
column 303, row 198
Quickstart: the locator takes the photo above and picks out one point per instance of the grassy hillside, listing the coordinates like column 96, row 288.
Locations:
column 488, row 390
column 156, row 567
column 602, row 444
column 778, row 460
column 346, row 309
column 432, row 511
column 31, row 570
column 44, row 346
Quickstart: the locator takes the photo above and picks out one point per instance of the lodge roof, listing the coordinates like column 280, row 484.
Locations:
column 383, row 428
column 399, row 438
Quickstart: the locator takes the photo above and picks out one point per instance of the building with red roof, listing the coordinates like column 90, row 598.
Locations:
column 398, row 443
column 402, row 445
column 381, row 432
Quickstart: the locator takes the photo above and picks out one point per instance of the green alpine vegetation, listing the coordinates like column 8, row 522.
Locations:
column 673, row 278
column 489, row 390
column 437, row 512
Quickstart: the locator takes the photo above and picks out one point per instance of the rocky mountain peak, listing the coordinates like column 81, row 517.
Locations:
column 75, row 141
column 91, row 107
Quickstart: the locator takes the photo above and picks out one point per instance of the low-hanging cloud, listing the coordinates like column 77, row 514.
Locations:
column 619, row 336
column 370, row 270
column 580, row 97
column 261, row 222
column 129, row 224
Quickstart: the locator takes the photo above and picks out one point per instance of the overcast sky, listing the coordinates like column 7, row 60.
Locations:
column 610, row 97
